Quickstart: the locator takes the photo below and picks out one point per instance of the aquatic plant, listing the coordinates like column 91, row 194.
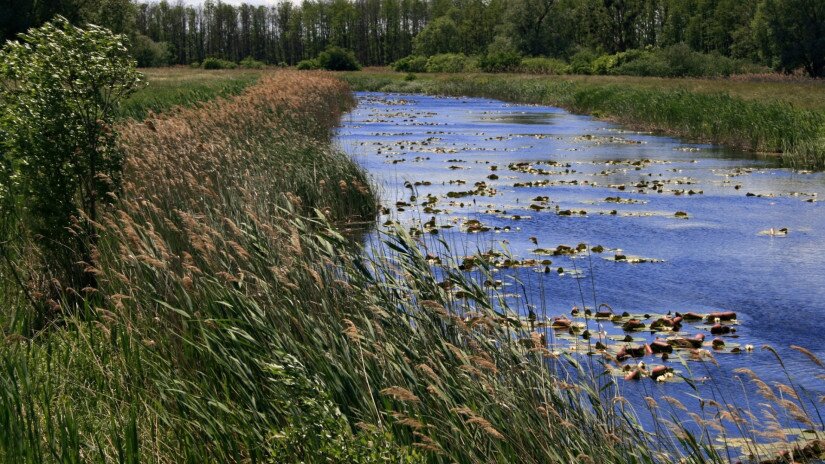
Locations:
column 759, row 125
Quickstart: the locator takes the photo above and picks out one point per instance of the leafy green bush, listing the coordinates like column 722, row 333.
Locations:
column 412, row 63
column 251, row 63
column 306, row 65
column 604, row 64
column 448, row 63
column 543, row 65
column 642, row 63
column 582, row 62
column 440, row 36
column 675, row 61
column 502, row 56
column 217, row 63
column 60, row 161
column 150, row 54
column 499, row 62
column 338, row 59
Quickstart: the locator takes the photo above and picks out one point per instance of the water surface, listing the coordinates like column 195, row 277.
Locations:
column 620, row 190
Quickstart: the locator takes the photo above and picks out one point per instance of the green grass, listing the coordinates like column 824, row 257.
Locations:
column 166, row 88
column 786, row 118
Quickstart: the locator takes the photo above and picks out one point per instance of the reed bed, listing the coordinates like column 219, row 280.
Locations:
column 236, row 321
column 708, row 111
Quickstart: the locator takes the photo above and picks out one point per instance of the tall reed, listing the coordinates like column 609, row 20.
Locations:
column 235, row 322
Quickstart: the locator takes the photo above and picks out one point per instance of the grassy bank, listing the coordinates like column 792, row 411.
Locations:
column 766, row 117
column 233, row 322
column 165, row 88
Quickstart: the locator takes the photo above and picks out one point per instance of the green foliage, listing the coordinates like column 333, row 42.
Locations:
column 171, row 87
column 441, row 36
column 792, row 34
column 308, row 65
column 674, row 61
column 785, row 34
column 499, row 62
column 412, row 63
column 449, row 63
column 582, row 62
column 251, row 63
column 502, row 56
column 603, row 64
column 213, row 63
column 150, row 54
column 62, row 86
column 338, row 59
column 530, row 24
column 542, row 65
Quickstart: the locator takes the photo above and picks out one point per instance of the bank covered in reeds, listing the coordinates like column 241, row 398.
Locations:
column 234, row 321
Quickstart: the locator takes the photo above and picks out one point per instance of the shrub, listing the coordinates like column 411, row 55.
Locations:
column 251, row 63
column 499, row 62
column 440, row 36
column 543, row 65
column 150, row 54
column 61, row 165
column 502, row 56
column 604, row 64
column 305, row 65
column 338, row 59
column 678, row 61
column 412, row 63
column 448, row 63
column 217, row 63
column 582, row 62
column 642, row 63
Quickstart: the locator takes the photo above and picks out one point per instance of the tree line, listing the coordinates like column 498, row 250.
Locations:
column 786, row 35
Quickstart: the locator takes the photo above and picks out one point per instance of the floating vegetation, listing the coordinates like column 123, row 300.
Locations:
column 474, row 226
column 623, row 258
column 773, row 232
column 600, row 139
column 623, row 201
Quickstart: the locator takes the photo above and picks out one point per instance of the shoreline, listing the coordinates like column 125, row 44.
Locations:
column 765, row 128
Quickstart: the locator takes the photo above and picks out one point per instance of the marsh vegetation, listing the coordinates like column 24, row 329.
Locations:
column 192, row 270
column 757, row 116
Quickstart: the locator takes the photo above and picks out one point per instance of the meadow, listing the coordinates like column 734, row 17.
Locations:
column 236, row 318
column 166, row 88
column 763, row 114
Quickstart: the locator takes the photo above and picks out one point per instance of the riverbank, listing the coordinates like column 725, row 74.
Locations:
column 234, row 322
column 744, row 115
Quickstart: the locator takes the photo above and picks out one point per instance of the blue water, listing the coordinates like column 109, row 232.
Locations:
column 715, row 260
